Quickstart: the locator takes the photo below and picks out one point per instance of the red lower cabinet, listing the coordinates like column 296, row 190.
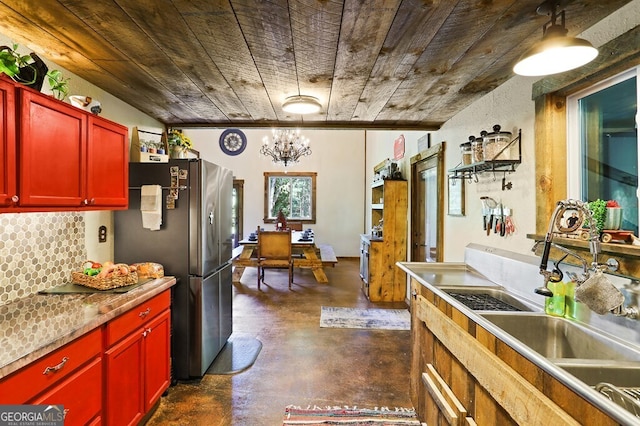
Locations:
column 112, row 375
column 157, row 356
column 138, row 365
column 125, row 386
column 81, row 395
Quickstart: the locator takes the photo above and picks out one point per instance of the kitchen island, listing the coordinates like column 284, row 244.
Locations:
column 466, row 368
column 73, row 349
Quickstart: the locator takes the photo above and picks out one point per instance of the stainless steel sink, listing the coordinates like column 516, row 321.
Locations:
column 487, row 298
column 619, row 382
column 558, row 338
column 620, row 374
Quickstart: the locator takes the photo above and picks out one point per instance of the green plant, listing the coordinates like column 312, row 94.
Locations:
column 11, row 62
column 59, row 84
column 598, row 210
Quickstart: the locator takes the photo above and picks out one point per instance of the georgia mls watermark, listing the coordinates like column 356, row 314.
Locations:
column 31, row 415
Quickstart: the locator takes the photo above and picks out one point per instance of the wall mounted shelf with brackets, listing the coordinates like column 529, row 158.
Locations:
column 471, row 171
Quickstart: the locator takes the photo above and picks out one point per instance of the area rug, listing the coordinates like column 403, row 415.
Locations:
column 238, row 354
column 382, row 319
column 351, row 416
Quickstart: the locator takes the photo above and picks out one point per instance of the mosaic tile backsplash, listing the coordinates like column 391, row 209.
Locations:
column 38, row 251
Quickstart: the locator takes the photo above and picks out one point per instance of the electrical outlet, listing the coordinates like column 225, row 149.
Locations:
column 102, row 234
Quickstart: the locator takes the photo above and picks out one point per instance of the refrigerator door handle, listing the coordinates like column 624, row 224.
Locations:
column 210, row 218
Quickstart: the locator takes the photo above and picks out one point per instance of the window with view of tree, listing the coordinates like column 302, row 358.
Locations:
column 292, row 193
column 603, row 144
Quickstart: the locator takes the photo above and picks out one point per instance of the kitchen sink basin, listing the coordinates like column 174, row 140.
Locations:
column 618, row 382
column 621, row 374
column 486, row 298
column 558, row 338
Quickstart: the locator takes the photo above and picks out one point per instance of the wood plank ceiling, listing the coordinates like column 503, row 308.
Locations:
column 409, row 64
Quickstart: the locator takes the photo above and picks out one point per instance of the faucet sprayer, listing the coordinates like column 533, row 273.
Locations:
column 582, row 212
column 593, row 289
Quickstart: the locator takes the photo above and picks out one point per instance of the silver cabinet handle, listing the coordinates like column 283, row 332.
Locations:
column 56, row 367
column 15, row 199
column 144, row 313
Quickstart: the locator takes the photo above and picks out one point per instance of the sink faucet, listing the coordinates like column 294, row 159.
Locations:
column 606, row 288
column 594, row 244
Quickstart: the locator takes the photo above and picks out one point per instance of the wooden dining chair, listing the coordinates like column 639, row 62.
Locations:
column 274, row 251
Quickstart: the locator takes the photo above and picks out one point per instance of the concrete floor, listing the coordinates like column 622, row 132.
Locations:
column 300, row 363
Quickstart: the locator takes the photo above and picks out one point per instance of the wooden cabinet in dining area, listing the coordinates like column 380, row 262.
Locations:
column 382, row 281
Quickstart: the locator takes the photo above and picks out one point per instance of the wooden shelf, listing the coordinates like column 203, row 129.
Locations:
column 385, row 282
column 627, row 255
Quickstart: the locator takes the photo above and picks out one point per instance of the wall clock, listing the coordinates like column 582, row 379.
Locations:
column 233, row 141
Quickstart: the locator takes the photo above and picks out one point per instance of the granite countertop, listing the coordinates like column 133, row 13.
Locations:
column 38, row 324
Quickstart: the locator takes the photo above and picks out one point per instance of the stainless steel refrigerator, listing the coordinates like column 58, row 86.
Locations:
column 194, row 244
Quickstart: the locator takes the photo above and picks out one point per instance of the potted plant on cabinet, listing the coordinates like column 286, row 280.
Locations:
column 20, row 69
column 59, row 84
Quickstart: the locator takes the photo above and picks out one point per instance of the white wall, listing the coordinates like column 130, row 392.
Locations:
column 338, row 157
column 380, row 147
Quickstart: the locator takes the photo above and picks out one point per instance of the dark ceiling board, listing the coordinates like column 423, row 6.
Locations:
column 315, row 27
column 228, row 63
column 364, row 28
column 229, row 52
column 413, row 28
column 442, row 57
column 162, row 22
column 267, row 31
column 149, row 63
column 67, row 50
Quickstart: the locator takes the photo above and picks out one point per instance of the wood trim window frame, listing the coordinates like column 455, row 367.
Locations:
column 312, row 175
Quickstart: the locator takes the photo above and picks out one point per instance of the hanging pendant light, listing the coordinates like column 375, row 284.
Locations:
column 556, row 52
column 301, row 104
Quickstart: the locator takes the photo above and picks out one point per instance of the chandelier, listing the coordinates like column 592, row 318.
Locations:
column 287, row 146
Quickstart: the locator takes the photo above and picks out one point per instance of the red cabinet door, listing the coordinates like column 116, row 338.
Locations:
column 157, row 352
column 8, row 177
column 125, row 381
column 107, row 164
column 52, row 144
column 80, row 395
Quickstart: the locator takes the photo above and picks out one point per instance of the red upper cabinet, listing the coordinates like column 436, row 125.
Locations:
column 108, row 164
column 67, row 158
column 53, row 141
column 8, row 177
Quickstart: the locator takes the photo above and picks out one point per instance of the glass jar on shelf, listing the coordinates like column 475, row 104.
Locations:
column 465, row 149
column 477, row 148
column 498, row 146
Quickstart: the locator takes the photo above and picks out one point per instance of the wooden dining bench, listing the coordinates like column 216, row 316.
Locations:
column 327, row 255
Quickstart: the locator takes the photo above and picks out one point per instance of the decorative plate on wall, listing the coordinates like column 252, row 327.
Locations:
column 233, row 141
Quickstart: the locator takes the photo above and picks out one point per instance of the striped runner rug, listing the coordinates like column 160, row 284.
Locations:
column 381, row 319
column 349, row 416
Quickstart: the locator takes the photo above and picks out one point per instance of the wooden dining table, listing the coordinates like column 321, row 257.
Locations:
column 305, row 255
